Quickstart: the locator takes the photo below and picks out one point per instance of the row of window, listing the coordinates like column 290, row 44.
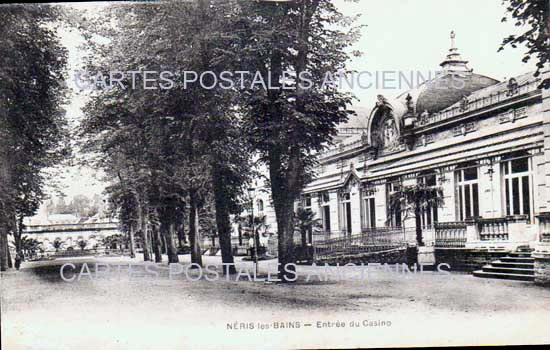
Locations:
column 516, row 195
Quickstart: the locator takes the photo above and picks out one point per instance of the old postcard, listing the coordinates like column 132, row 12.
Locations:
column 274, row 174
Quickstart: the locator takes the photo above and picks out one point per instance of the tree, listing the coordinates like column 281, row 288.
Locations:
column 32, row 124
column 305, row 224
column 289, row 124
column 82, row 244
column 245, row 222
column 178, row 145
column 80, row 205
column 116, row 240
column 58, row 244
column 414, row 200
column 535, row 15
column 123, row 203
column 28, row 246
column 240, row 221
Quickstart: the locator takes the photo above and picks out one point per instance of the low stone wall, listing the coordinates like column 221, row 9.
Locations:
column 542, row 271
column 395, row 256
column 466, row 259
column 542, row 264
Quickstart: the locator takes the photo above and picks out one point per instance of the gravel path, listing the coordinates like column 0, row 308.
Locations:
column 118, row 311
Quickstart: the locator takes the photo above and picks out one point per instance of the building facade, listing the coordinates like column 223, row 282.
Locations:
column 485, row 144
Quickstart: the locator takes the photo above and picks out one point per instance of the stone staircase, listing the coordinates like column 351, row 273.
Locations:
column 517, row 266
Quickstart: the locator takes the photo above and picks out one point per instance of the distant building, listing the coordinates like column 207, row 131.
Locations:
column 69, row 229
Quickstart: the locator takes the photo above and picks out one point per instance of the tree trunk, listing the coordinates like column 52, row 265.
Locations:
column 5, row 198
column 143, row 218
column 10, row 264
column 194, row 236
column 546, row 15
column 156, row 244
column 181, row 238
column 257, row 238
column 164, row 244
column 3, row 249
column 17, row 234
column 240, row 229
column 418, row 225
column 172, row 252
column 283, row 202
column 285, row 228
column 223, row 223
column 132, row 242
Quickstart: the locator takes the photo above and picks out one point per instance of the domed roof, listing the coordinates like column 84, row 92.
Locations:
column 449, row 86
column 444, row 91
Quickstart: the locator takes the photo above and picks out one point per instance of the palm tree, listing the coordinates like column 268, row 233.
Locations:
column 57, row 244
column 118, row 240
column 305, row 222
column 28, row 246
column 245, row 222
column 414, row 200
column 82, row 244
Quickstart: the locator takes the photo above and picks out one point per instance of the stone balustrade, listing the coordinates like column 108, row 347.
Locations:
column 479, row 103
column 71, row 227
column 450, row 234
column 493, row 229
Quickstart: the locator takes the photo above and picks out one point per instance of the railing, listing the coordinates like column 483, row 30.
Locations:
column 493, row 229
column 235, row 241
column 479, row 103
column 97, row 226
column 351, row 131
column 450, row 234
column 341, row 148
column 370, row 240
column 385, row 234
column 272, row 245
column 325, row 235
column 124, row 251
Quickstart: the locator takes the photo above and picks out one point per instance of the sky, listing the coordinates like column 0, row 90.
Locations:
column 400, row 35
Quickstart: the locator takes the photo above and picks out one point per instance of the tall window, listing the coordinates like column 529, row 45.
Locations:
column 368, row 209
column 394, row 214
column 516, row 170
column 428, row 214
column 345, row 212
column 260, row 205
column 325, row 210
column 467, row 190
column 306, row 201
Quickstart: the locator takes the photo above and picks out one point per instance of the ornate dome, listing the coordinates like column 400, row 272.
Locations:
column 455, row 81
column 448, row 87
column 445, row 90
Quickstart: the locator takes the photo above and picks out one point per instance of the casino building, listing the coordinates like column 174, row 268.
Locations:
column 485, row 144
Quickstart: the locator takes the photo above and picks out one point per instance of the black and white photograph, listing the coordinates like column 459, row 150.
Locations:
column 274, row 174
